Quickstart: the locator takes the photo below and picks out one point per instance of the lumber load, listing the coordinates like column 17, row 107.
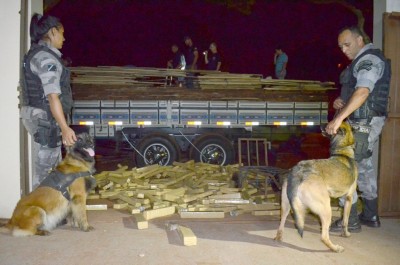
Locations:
column 193, row 190
column 142, row 77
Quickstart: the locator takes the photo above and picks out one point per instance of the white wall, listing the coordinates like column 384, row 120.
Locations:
column 380, row 7
column 393, row 5
column 9, row 113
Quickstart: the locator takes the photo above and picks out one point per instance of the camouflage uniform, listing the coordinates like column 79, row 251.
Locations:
column 367, row 174
column 49, row 69
column 368, row 71
column 44, row 158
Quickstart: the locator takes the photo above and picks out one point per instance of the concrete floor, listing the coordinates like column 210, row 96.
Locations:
column 244, row 239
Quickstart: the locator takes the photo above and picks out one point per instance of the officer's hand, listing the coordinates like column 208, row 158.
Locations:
column 332, row 127
column 68, row 136
column 338, row 103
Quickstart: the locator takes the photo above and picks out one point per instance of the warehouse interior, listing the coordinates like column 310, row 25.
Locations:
column 234, row 238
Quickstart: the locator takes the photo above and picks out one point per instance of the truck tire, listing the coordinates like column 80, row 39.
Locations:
column 213, row 149
column 156, row 150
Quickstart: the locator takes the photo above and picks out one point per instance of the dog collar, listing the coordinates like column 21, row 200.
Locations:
column 60, row 181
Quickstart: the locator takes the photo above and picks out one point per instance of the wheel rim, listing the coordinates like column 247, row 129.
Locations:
column 213, row 154
column 157, row 154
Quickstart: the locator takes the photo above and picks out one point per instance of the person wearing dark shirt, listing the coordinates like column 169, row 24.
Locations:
column 214, row 61
column 191, row 54
column 178, row 59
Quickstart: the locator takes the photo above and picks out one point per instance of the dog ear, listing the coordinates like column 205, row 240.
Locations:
column 78, row 129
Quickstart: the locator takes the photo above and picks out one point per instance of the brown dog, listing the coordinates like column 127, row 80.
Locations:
column 62, row 193
column 311, row 183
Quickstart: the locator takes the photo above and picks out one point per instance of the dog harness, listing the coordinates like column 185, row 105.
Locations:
column 60, row 181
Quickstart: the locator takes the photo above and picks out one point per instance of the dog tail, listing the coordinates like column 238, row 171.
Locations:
column 293, row 183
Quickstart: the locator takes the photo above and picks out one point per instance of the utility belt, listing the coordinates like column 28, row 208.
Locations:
column 361, row 131
column 48, row 133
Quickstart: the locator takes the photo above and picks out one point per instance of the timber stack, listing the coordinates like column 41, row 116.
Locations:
column 118, row 83
column 193, row 190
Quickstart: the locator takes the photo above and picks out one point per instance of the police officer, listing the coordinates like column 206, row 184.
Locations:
column 363, row 100
column 46, row 95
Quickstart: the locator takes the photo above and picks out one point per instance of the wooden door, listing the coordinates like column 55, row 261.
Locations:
column 389, row 161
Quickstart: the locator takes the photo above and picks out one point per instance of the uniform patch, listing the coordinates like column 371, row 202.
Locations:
column 51, row 68
column 364, row 65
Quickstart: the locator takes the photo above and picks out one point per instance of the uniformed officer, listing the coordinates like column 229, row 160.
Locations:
column 363, row 100
column 46, row 95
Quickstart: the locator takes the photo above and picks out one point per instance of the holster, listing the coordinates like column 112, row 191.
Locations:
column 361, row 133
column 48, row 133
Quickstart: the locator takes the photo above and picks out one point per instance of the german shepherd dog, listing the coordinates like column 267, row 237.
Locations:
column 311, row 183
column 62, row 193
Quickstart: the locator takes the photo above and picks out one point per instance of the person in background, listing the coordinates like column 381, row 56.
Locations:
column 280, row 62
column 214, row 62
column 177, row 62
column 46, row 100
column 178, row 59
column 363, row 102
column 191, row 54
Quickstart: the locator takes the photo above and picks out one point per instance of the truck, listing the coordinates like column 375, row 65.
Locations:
column 163, row 122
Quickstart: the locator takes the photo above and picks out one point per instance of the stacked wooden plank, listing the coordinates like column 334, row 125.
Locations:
column 215, row 80
column 193, row 190
column 289, row 85
column 229, row 81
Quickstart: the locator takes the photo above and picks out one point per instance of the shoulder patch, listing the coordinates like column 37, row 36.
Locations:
column 51, row 68
column 364, row 65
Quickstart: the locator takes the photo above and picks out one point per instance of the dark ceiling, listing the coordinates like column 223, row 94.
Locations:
column 140, row 33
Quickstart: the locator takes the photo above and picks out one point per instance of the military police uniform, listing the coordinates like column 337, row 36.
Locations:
column 369, row 69
column 44, row 74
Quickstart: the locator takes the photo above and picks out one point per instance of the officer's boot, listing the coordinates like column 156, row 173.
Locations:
column 353, row 226
column 369, row 215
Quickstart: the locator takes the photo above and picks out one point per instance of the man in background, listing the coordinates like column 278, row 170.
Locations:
column 280, row 61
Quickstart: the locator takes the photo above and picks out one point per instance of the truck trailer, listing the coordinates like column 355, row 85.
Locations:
column 163, row 122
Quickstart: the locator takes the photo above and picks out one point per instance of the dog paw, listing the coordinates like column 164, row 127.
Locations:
column 278, row 238
column 43, row 233
column 87, row 228
column 338, row 249
column 346, row 234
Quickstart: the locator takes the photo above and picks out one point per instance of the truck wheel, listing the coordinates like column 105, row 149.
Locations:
column 213, row 150
column 156, row 150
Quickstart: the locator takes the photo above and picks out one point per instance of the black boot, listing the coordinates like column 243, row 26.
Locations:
column 353, row 226
column 369, row 215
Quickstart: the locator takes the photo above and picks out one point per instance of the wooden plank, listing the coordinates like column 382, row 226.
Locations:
column 120, row 206
column 187, row 236
column 266, row 212
column 96, row 207
column 151, row 214
column 191, row 215
column 141, row 222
